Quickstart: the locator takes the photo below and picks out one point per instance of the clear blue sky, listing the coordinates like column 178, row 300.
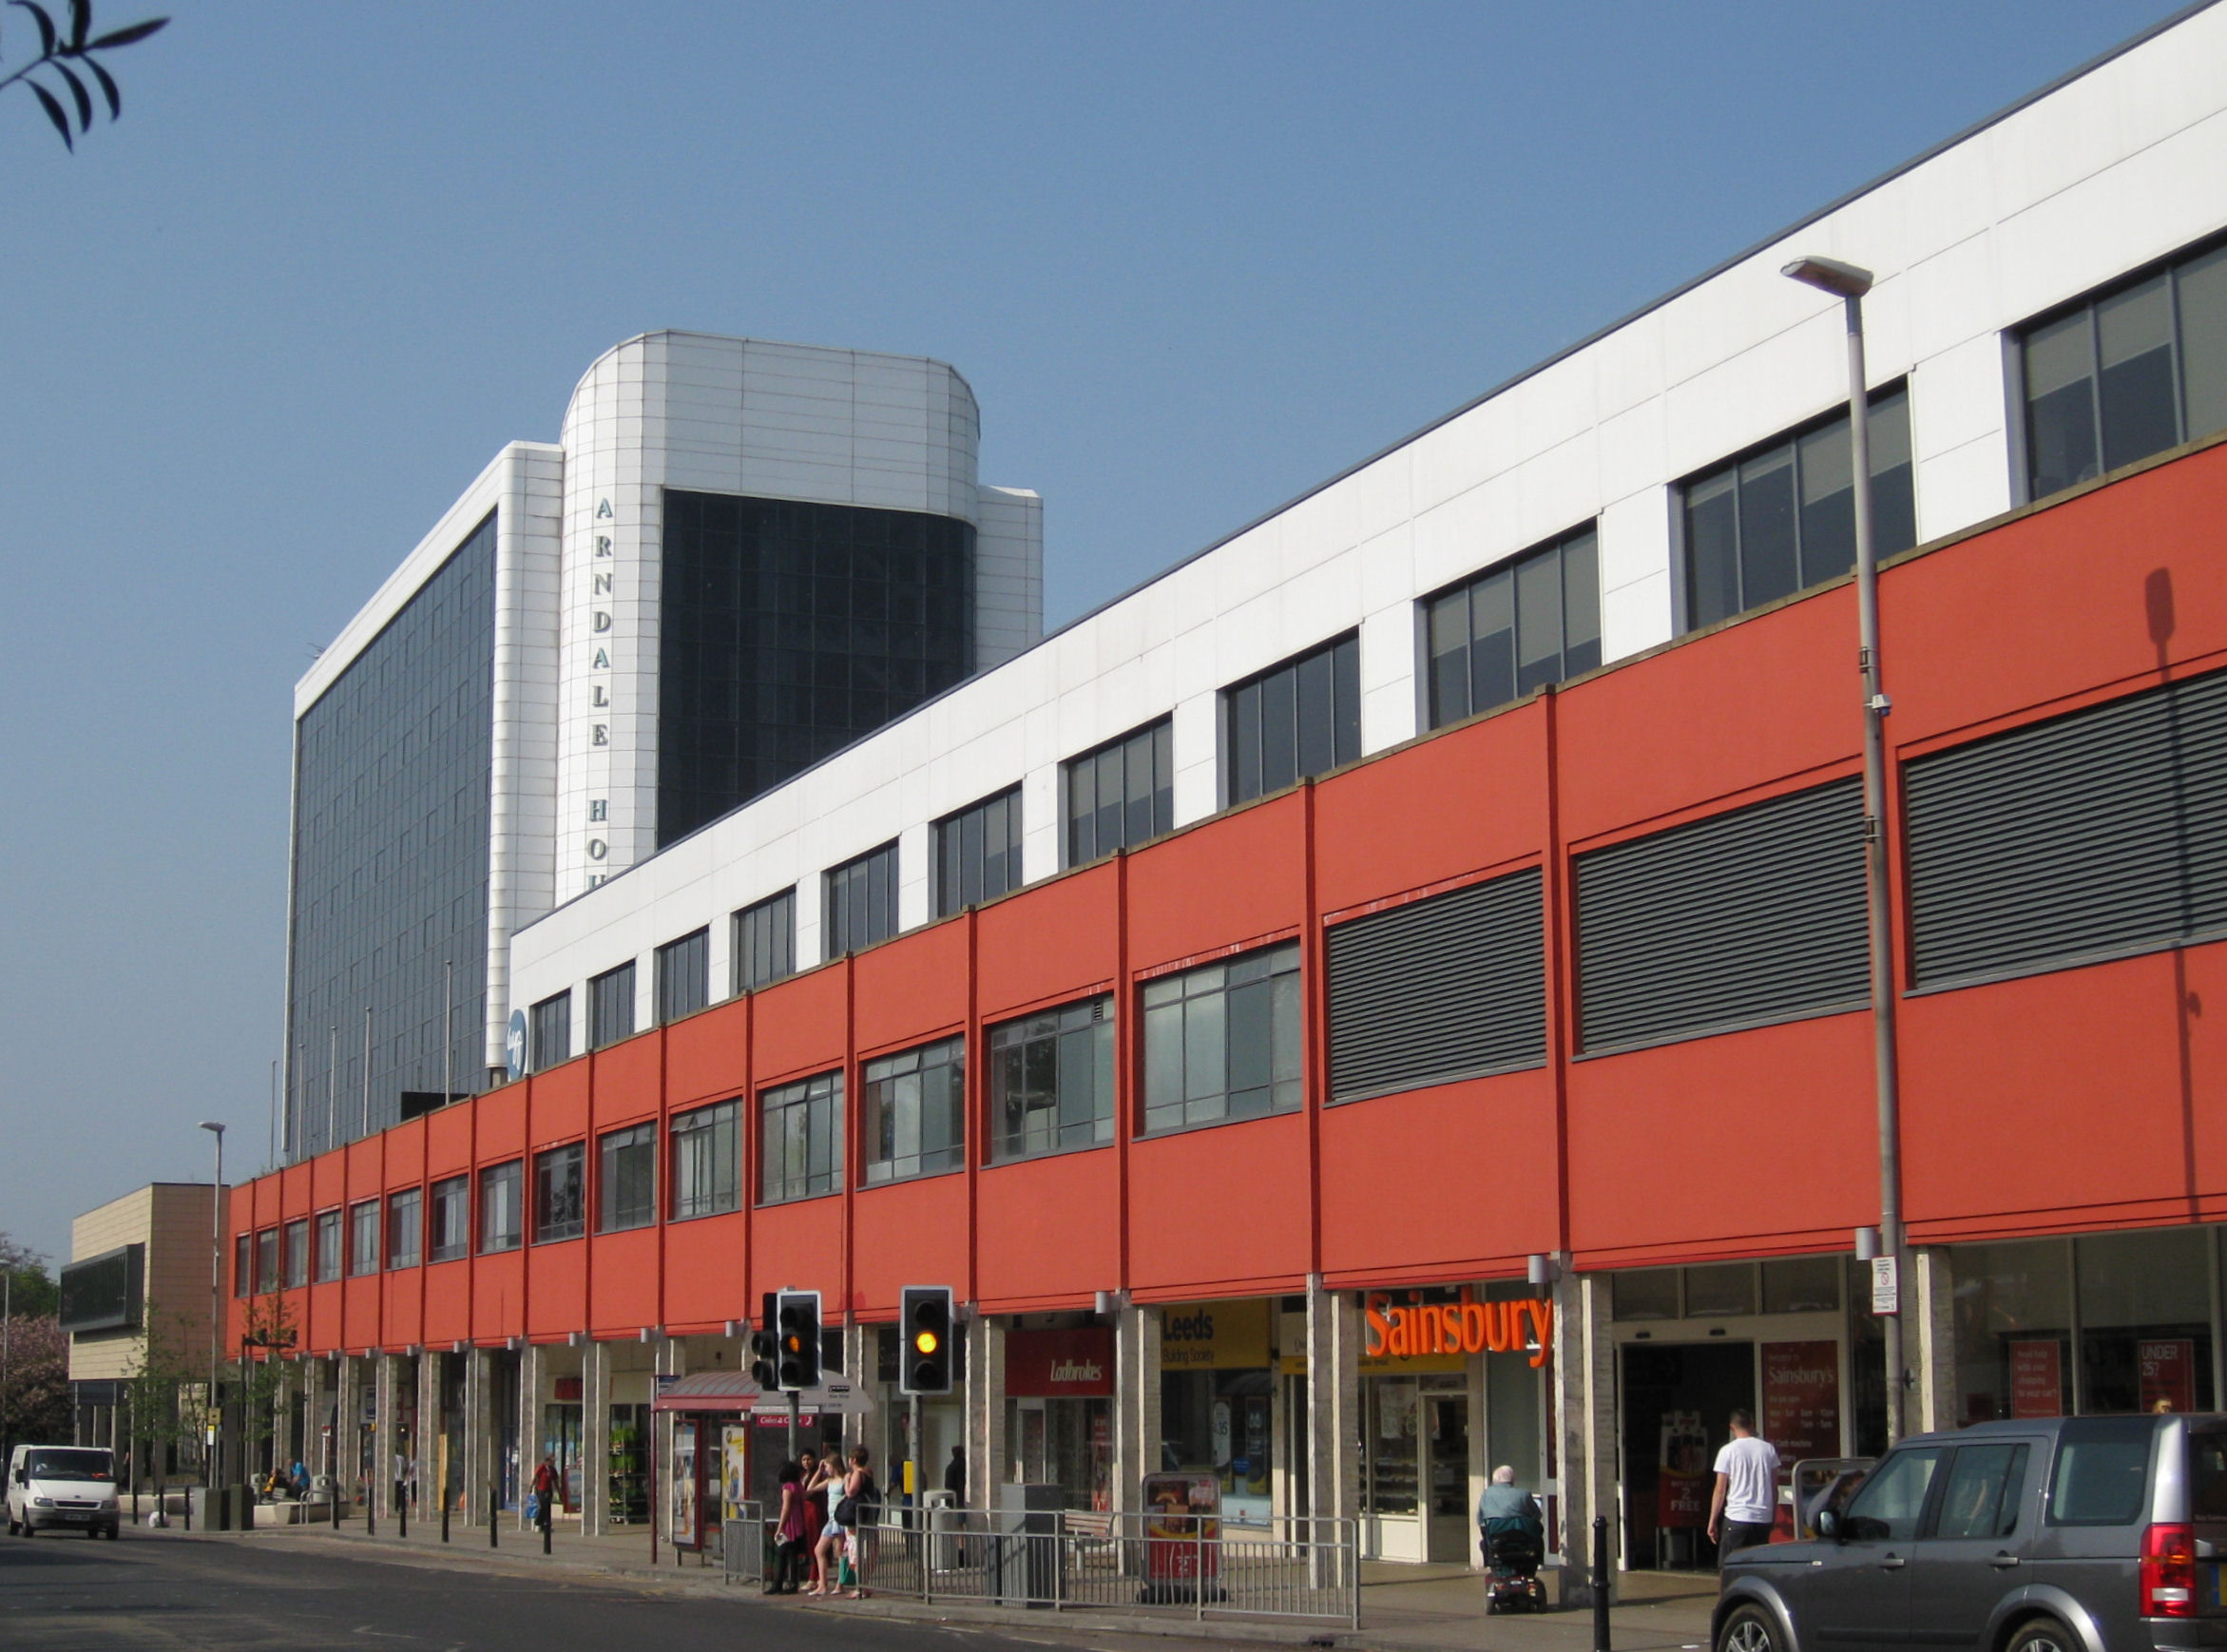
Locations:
column 1193, row 259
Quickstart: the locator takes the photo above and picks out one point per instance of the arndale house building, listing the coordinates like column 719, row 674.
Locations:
column 1383, row 999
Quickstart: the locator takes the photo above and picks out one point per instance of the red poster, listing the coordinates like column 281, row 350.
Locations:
column 1049, row 1364
column 2168, row 1373
column 1801, row 1399
column 2037, row 1381
column 1681, row 1501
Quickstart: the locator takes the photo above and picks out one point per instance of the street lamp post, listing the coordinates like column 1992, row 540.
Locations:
column 1849, row 283
column 216, row 1297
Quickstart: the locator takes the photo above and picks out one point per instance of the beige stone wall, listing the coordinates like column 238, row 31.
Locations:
column 171, row 1219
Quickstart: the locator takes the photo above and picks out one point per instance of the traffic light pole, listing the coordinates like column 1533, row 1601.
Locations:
column 794, row 1425
column 920, row 1474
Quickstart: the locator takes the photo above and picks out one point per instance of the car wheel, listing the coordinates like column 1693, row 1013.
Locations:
column 2044, row 1635
column 1750, row 1629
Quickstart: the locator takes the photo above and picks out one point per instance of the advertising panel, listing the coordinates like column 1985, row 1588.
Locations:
column 1182, row 1530
column 2037, row 1380
column 2168, row 1373
column 1059, row 1364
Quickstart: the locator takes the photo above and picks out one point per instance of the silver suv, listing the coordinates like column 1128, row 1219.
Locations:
column 2061, row 1534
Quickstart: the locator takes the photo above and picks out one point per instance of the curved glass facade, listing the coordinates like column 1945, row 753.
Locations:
column 787, row 630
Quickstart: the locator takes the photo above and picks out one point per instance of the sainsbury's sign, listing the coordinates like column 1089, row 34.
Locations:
column 1462, row 1326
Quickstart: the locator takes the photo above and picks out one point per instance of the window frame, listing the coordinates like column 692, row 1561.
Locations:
column 957, row 865
column 556, row 1228
column 268, row 1277
column 882, row 1115
column 843, row 934
column 330, row 1230
column 1233, row 712
column 682, row 971
column 538, row 1059
column 1157, row 738
column 626, row 1139
column 817, row 1105
column 243, row 1263
column 604, row 989
column 295, row 1252
column 438, row 1196
column 509, row 1172
column 1102, row 1024
column 361, row 1266
column 780, row 949
column 1278, row 959
column 1560, row 547
column 699, row 1122
column 412, row 1199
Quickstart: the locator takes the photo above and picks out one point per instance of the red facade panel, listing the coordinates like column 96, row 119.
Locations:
column 557, row 1101
column 448, row 1141
column 1048, row 1229
column 1057, row 941
column 707, row 1057
column 623, row 1274
column 1449, row 1183
column 914, row 992
column 448, row 1302
column 556, row 1289
column 799, row 1026
column 1218, row 1205
column 795, row 1246
column 913, row 1233
column 1242, row 877
column 498, row 1297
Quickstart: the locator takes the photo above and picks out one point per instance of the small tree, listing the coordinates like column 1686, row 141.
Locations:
column 161, row 1416
column 63, row 53
column 31, row 1290
column 269, row 1331
column 36, row 1405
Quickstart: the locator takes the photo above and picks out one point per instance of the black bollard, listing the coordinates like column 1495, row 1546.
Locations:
column 371, row 1511
column 491, row 1517
column 402, row 1518
column 1601, row 1582
column 544, row 1534
column 444, row 1514
column 335, row 1505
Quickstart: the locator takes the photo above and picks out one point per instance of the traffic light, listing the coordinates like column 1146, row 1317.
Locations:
column 924, row 1318
column 796, row 1316
column 765, row 1346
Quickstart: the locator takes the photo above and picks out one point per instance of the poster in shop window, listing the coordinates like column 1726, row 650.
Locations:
column 1682, row 1487
column 1801, row 1411
column 2169, row 1373
column 2037, row 1380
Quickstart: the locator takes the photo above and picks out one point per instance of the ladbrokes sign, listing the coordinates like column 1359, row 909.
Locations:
column 1465, row 1325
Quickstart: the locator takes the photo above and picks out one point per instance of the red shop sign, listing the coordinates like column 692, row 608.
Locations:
column 1049, row 1364
column 2169, row 1373
column 1801, row 1399
column 2037, row 1379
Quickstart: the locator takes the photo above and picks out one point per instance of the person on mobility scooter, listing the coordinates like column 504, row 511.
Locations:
column 1514, row 1535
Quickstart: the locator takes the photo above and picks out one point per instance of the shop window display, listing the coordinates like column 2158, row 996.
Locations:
column 2145, row 1320
column 1218, row 1422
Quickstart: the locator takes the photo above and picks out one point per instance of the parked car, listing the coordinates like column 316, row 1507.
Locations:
column 62, row 1487
column 2060, row 1534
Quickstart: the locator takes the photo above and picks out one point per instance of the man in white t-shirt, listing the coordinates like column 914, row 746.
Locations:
column 1746, row 1499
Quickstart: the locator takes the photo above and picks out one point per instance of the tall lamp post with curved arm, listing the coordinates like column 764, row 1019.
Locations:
column 216, row 1296
column 1849, row 283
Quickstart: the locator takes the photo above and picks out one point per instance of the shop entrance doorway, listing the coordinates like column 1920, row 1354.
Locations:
column 1449, row 1521
column 1677, row 1399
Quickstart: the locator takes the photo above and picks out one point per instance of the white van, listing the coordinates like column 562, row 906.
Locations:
column 69, row 1488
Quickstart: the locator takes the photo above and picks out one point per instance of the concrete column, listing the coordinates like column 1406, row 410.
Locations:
column 425, row 1441
column 1136, row 1404
column 347, row 1405
column 986, row 1409
column 1334, row 1403
column 858, row 1366
column 1931, row 1348
column 670, row 1358
column 284, row 1405
column 385, row 1418
column 477, row 1470
column 1584, row 1410
column 595, row 1438
column 316, row 1385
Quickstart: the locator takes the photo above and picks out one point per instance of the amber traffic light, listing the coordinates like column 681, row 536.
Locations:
column 924, row 1319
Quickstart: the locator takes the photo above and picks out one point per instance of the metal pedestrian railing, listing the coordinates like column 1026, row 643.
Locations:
column 1071, row 1561
column 746, row 1546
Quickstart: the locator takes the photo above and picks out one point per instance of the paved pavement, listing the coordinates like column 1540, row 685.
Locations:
column 305, row 1588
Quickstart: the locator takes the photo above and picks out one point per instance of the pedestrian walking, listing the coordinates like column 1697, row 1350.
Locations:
column 818, row 1478
column 1745, row 1503
column 788, row 1531
column 545, row 1493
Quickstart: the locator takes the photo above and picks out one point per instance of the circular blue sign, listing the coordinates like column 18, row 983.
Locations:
column 514, row 1046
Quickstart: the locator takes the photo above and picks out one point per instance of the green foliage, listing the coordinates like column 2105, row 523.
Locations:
column 35, row 1406
column 161, row 1413
column 32, row 1291
column 268, row 1333
column 65, row 59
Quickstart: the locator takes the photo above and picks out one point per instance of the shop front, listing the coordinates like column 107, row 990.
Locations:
column 561, row 1422
column 1791, row 1339
column 1059, row 1412
column 729, row 1440
column 1217, row 1379
column 1454, row 1383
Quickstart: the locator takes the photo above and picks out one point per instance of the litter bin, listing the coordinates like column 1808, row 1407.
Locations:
column 1024, row 1549
column 941, row 1525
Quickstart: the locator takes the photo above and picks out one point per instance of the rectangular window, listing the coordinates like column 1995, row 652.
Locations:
column 861, row 902
column 551, row 1032
column 1745, row 918
column 1303, row 718
column 610, row 1007
column 405, row 1226
column 1222, row 1041
column 978, row 852
column 683, row 976
column 629, row 1197
column 499, row 1208
column 297, row 1254
column 913, row 1112
column 765, row 942
column 451, row 1238
column 2126, row 373
column 363, row 1237
column 266, row 1259
column 1120, row 796
column 1783, row 517
column 330, row 1246
column 801, row 1140
column 2102, row 1476
column 1528, row 621
column 1450, row 988
column 243, row 1266
column 1052, row 1081
column 707, row 1161
column 2086, row 833
column 560, row 1193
